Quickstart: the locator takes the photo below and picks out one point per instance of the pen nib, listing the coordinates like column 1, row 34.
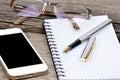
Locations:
column 66, row 49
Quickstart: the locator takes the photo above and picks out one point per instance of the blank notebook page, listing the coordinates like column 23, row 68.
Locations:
column 104, row 63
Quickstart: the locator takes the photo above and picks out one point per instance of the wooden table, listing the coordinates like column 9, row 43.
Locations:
column 34, row 30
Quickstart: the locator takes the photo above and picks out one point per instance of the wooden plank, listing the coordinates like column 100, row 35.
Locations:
column 7, row 18
column 109, row 7
column 40, row 44
column 99, row 7
column 34, row 29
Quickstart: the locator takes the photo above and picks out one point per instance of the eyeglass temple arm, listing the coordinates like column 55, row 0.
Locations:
column 89, row 12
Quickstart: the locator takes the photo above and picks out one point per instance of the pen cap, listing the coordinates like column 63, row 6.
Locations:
column 87, row 50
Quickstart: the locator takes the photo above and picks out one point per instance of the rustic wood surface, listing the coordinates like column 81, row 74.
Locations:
column 34, row 29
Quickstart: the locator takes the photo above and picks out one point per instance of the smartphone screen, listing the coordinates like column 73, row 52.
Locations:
column 17, row 52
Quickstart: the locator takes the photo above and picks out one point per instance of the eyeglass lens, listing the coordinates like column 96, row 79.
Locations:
column 29, row 8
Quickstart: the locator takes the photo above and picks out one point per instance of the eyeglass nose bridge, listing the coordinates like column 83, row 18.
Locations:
column 53, row 4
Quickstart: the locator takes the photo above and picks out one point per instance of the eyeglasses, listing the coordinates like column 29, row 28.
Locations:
column 34, row 8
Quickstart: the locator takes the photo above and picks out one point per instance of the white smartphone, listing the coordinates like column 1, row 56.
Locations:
column 18, row 57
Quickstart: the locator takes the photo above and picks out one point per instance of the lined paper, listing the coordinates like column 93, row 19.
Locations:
column 104, row 62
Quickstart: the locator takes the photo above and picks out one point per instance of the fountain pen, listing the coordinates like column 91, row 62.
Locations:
column 86, row 35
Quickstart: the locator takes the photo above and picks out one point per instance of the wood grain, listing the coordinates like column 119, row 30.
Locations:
column 34, row 29
column 40, row 44
column 109, row 7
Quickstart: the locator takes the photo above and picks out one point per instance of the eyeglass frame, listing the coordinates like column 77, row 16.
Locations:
column 23, row 18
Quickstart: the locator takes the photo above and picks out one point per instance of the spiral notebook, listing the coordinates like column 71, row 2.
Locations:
column 103, row 63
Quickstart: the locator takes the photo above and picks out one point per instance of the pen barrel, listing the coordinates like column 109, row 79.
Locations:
column 94, row 30
column 74, row 44
column 87, row 35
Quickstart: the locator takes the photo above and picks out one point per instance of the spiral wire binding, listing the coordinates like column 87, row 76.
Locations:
column 55, row 54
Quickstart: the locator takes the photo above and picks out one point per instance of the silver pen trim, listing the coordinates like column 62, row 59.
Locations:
column 88, row 48
column 100, row 26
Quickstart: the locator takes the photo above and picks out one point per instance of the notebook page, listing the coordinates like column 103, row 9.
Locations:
column 104, row 61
